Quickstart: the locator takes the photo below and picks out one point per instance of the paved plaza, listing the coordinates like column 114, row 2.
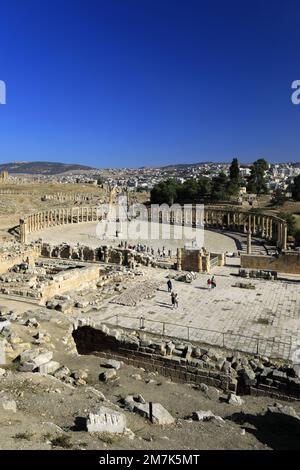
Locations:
column 86, row 234
column 236, row 316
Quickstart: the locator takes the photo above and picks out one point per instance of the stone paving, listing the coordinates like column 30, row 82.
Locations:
column 134, row 295
column 86, row 234
column 236, row 316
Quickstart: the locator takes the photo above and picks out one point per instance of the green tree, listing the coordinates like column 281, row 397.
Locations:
column 234, row 171
column 278, row 197
column 164, row 192
column 296, row 188
column 219, row 187
column 257, row 179
column 188, row 191
column 290, row 220
column 204, row 187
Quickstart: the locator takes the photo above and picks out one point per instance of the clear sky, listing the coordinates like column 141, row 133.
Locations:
column 148, row 82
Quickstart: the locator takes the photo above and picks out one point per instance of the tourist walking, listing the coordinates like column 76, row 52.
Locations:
column 213, row 282
column 209, row 284
column 169, row 285
column 176, row 301
column 173, row 299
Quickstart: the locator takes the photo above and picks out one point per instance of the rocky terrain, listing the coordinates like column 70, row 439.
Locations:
column 53, row 398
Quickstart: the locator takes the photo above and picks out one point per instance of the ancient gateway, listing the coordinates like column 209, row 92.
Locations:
column 265, row 226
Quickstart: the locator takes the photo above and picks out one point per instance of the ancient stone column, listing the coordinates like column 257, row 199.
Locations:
column 271, row 229
column 23, row 230
column 249, row 243
column 199, row 261
column 284, row 238
column 266, row 228
column 234, row 221
column 179, row 259
column 105, row 254
column 249, row 236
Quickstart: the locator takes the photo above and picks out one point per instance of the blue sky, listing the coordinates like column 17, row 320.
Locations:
column 149, row 82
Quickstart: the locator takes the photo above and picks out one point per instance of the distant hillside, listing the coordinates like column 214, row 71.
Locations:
column 42, row 168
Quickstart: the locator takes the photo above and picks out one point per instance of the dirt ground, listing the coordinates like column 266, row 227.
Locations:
column 15, row 206
column 50, row 413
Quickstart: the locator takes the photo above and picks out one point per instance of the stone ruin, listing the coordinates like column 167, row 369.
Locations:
column 258, row 274
column 73, row 197
column 192, row 260
column 65, row 284
column 106, row 420
column 230, row 371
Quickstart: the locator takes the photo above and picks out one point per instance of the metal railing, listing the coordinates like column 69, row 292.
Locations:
column 231, row 341
column 214, row 261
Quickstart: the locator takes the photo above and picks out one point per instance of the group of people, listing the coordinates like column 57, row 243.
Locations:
column 140, row 248
column 211, row 284
column 174, row 296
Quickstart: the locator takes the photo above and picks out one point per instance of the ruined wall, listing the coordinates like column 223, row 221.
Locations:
column 106, row 254
column 15, row 255
column 151, row 356
column 288, row 262
column 184, row 362
column 72, row 197
column 193, row 260
column 78, row 278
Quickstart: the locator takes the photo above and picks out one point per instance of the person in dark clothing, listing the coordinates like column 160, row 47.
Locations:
column 173, row 299
column 169, row 285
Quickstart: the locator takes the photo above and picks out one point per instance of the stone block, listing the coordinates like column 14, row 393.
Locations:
column 108, row 375
column 8, row 405
column 235, row 400
column 106, row 421
column 111, row 364
column 283, row 410
column 278, row 375
column 249, row 376
column 49, row 367
column 62, row 372
column 160, row 415
column 205, row 416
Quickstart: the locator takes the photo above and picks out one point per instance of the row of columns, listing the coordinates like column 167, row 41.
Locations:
column 266, row 226
column 51, row 218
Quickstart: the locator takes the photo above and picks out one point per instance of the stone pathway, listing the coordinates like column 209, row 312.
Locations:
column 266, row 319
column 131, row 297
